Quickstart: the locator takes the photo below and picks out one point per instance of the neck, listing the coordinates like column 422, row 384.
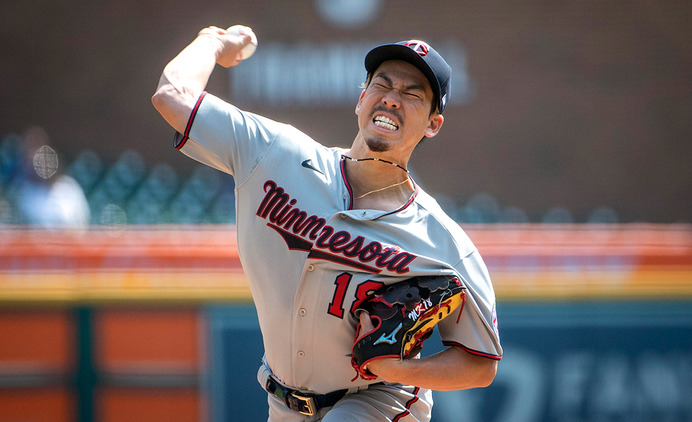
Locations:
column 381, row 160
column 378, row 183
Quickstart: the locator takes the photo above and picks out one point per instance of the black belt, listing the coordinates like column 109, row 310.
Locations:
column 305, row 403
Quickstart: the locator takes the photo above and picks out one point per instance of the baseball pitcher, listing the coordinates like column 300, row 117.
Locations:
column 350, row 263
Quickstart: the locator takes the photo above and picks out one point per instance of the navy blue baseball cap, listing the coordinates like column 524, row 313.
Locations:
column 424, row 57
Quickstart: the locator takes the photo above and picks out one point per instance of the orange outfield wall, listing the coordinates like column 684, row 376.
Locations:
column 200, row 263
column 136, row 352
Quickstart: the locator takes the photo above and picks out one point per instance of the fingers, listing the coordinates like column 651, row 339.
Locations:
column 366, row 324
column 213, row 31
column 241, row 35
column 239, row 30
column 230, row 41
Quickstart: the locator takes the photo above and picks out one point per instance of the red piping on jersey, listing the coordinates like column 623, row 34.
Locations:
column 348, row 186
column 411, row 199
column 473, row 352
column 463, row 302
column 193, row 114
column 408, row 406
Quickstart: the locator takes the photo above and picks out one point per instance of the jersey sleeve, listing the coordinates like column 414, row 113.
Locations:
column 223, row 137
column 475, row 329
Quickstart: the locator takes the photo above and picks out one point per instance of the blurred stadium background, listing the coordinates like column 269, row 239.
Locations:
column 565, row 154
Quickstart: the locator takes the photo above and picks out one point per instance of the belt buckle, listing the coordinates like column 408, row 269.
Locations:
column 304, row 405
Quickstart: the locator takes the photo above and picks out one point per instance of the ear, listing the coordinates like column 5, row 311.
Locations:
column 434, row 125
column 360, row 100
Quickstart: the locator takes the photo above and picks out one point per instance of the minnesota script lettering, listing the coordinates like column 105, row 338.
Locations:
column 312, row 234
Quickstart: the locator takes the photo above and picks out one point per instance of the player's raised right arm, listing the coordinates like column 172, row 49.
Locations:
column 185, row 77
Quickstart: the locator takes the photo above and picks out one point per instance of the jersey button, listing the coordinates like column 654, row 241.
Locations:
column 311, row 267
column 303, row 312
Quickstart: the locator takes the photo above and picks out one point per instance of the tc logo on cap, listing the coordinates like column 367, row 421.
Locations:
column 419, row 47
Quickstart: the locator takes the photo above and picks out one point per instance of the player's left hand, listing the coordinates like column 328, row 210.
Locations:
column 380, row 367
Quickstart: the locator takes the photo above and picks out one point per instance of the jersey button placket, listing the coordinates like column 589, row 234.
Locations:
column 302, row 343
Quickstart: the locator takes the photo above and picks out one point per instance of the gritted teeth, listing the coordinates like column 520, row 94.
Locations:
column 385, row 122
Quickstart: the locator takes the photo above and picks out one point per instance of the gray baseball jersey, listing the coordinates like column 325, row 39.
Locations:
column 308, row 255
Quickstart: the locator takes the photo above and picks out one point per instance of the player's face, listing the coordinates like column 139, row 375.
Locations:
column 394, row 110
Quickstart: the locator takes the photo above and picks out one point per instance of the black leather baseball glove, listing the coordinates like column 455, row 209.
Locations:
column 404, row 315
